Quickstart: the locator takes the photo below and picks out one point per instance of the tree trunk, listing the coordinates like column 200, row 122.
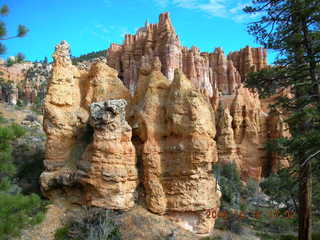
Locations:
column 305, row 188
column 305, row 203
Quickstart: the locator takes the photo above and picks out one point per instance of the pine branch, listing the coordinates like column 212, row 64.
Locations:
column 309, row 158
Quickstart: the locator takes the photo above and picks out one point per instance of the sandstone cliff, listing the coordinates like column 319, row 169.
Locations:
column 151, row 122
column 90, row 154
column 175, row 124
column 207, row 71
column 242, row 125
column 24, row 83
column 108, row 168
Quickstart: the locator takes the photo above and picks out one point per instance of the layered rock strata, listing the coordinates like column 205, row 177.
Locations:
column 62, row 119
column 175, row 123
column 243, row 129
column 249, row 60
column 277, row 128
column 89, row 152
column 66, row 118
column 9, row 93
column 29, row 80
column 108, row 169
column 207, row 71
column 179, row 101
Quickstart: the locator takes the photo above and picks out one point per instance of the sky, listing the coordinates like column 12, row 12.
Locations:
column 92, row 25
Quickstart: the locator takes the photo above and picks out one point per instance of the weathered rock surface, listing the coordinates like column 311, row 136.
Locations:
column 96, row 164
column 9, row 93
column 207, row 71
column 15, row 73
column 108, row 169
column 277, row 128
column 61, row 121
column 104, row 84
column 227, row 147
column 244, row 127
column 34, row 87
column 183, row 100
column 175, row 123
column 249, row 60
column 66, row 117
column 24, row 82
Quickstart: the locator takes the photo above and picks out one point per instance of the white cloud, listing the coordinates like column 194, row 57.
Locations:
column 215, row 8
column 237, row 8
column 162, row 3
column 231, row 9
column 186, row 3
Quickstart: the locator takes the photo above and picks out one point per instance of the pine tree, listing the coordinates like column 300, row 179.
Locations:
column 291, row 27
column 45, row 60
column 21, row 32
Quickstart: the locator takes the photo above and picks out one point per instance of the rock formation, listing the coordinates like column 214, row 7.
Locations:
column 15, row 73
column 172, row 116
column 227, row 147
column 89, row 152
column 249, row 60
column 62, row 119
column 108, row 170
column 34, row 86
column 207, row 71
column 277, row 128
column 66, row 116
column 9, row 93
column 28, row 80
column 243, row 129
column 175, row 123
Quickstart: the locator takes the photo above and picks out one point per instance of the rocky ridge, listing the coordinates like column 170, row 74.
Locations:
column 207, row 71
column 24, row 83
column 156, row 114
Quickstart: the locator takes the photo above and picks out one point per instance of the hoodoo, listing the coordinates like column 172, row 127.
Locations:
column 150, row 123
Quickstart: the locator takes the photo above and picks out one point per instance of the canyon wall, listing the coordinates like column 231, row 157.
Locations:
column 90, row 156
column 207, row 71
column 24, row 83
column 149, row 123
column 242, row 125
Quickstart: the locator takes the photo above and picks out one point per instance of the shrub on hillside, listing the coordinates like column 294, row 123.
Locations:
column 282, row 188
column 7, row 135
column 229, row 180
column 232, row 187
column 18, row 211
column 92, row 224
column 29, row 171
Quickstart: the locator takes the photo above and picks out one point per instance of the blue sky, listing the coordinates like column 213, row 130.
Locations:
column 91, row 25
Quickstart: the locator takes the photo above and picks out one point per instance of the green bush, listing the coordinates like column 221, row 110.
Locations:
column 3, row 120
column 281, row 225
column 265, row 236
column 233, row 223
column 92, row 224
column 61, row 233
column 29, row 171
column 316, row 236
column 212, row 238
column 37, row 105
column 288, row 237
column 18, row 211
column 282, row 188
column 229, row 180
column 250, row 189
column 7, row 135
